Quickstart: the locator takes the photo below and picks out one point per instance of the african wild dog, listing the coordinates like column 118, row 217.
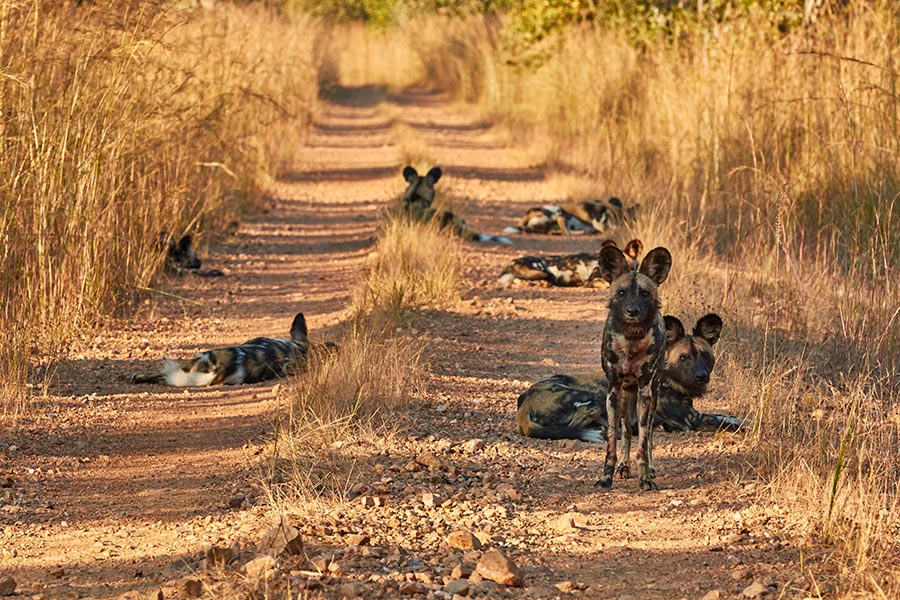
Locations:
column 574, row 407
column 181, row 257
column 632, row 354
column 564, row 270
column 416, row 204
column 580, row 218
column 255, row 360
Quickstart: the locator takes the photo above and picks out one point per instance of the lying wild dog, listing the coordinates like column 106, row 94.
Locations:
column 574, row 407
column 181, row 257
column 580, row 218
column 632, row 355
column 564, row 270
column 255, row 360
column 416, row 204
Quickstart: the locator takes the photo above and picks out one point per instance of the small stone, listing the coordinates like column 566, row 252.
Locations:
column 7, row 586
column 411, row 588
column 430, row 460
column 236, row 501
column 474, row 445
column 496, row 566
column 565, row 586
column 57, row 573
column 217, row 556
column 357, row 539
column 260, row 567
column 458, row 587
column 430, row 500
column 712, row 595
column 192, row 588
column 565, row 523
column 463, row 540
column 755, row 590
column 283, row 540
column 351, row 590
column 462, row 571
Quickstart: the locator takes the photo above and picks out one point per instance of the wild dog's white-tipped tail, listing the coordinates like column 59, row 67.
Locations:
column 175, row 376
column 506, row 279
column 512, row 231
column 592, row 435
column 497, row 239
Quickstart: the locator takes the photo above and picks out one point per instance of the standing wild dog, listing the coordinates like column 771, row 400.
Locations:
column 564, row 270
column 574, row 407
column 416, row 204
column 632, row 355
column 181, row 257
column 255, row 360
column 578, row 218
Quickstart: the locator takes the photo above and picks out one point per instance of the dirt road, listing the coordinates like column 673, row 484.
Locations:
column 111, row 483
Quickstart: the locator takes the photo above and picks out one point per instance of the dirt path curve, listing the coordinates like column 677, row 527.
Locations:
column 112, row 482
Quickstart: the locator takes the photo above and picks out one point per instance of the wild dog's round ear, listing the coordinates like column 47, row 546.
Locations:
column 656, row 265
column 674, row 329
column 434, row 174
column 709, row 328
column 611, row 263
column 634, row 248
column 409, row 173
column 185, row 242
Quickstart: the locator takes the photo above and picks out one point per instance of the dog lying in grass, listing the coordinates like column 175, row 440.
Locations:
column 569, row 270
column 574, row 407
column 416, row 204
column 255, row 360
column 577, row 218
column 181, row 257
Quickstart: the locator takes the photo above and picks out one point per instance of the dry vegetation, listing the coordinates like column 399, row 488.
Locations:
column 767, row 162
column 121, row 120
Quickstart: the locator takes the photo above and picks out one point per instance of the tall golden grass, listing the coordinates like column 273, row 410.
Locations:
column 121, row 120
column 768, row 163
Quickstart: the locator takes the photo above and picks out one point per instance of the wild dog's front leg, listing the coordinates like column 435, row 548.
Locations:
column 613, row 416
column 645, row 439
column 623, row 470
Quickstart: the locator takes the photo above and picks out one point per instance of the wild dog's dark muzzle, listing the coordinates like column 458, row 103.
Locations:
column 702, row 376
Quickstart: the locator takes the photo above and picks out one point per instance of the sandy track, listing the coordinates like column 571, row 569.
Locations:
column 112, row 482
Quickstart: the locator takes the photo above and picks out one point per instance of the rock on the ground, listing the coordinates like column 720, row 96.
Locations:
column 191, row 588
column 463, row 540
column 351, row 590
column 457, row 587
column 260, row 567
column 7, row 586
column 283, row 540
column 496, row 566
column 755, row 590
column 712, row 595
column 218, row 556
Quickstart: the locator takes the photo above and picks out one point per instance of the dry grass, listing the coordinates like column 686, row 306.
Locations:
column 767, row 163
column 350, row 398
column 120, row 121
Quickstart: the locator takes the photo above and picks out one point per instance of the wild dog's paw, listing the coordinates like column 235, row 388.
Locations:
column 647, row 484
column 623, row 471
column 604, row 483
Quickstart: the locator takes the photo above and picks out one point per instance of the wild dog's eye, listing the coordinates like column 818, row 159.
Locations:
column 621, row 293
column 684, row 357
column 645, row 293
column 704, row 354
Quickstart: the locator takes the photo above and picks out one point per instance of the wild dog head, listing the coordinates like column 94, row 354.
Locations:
column 420, row 191
column 689, row 357
column 634, row 297
column 180, row 255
